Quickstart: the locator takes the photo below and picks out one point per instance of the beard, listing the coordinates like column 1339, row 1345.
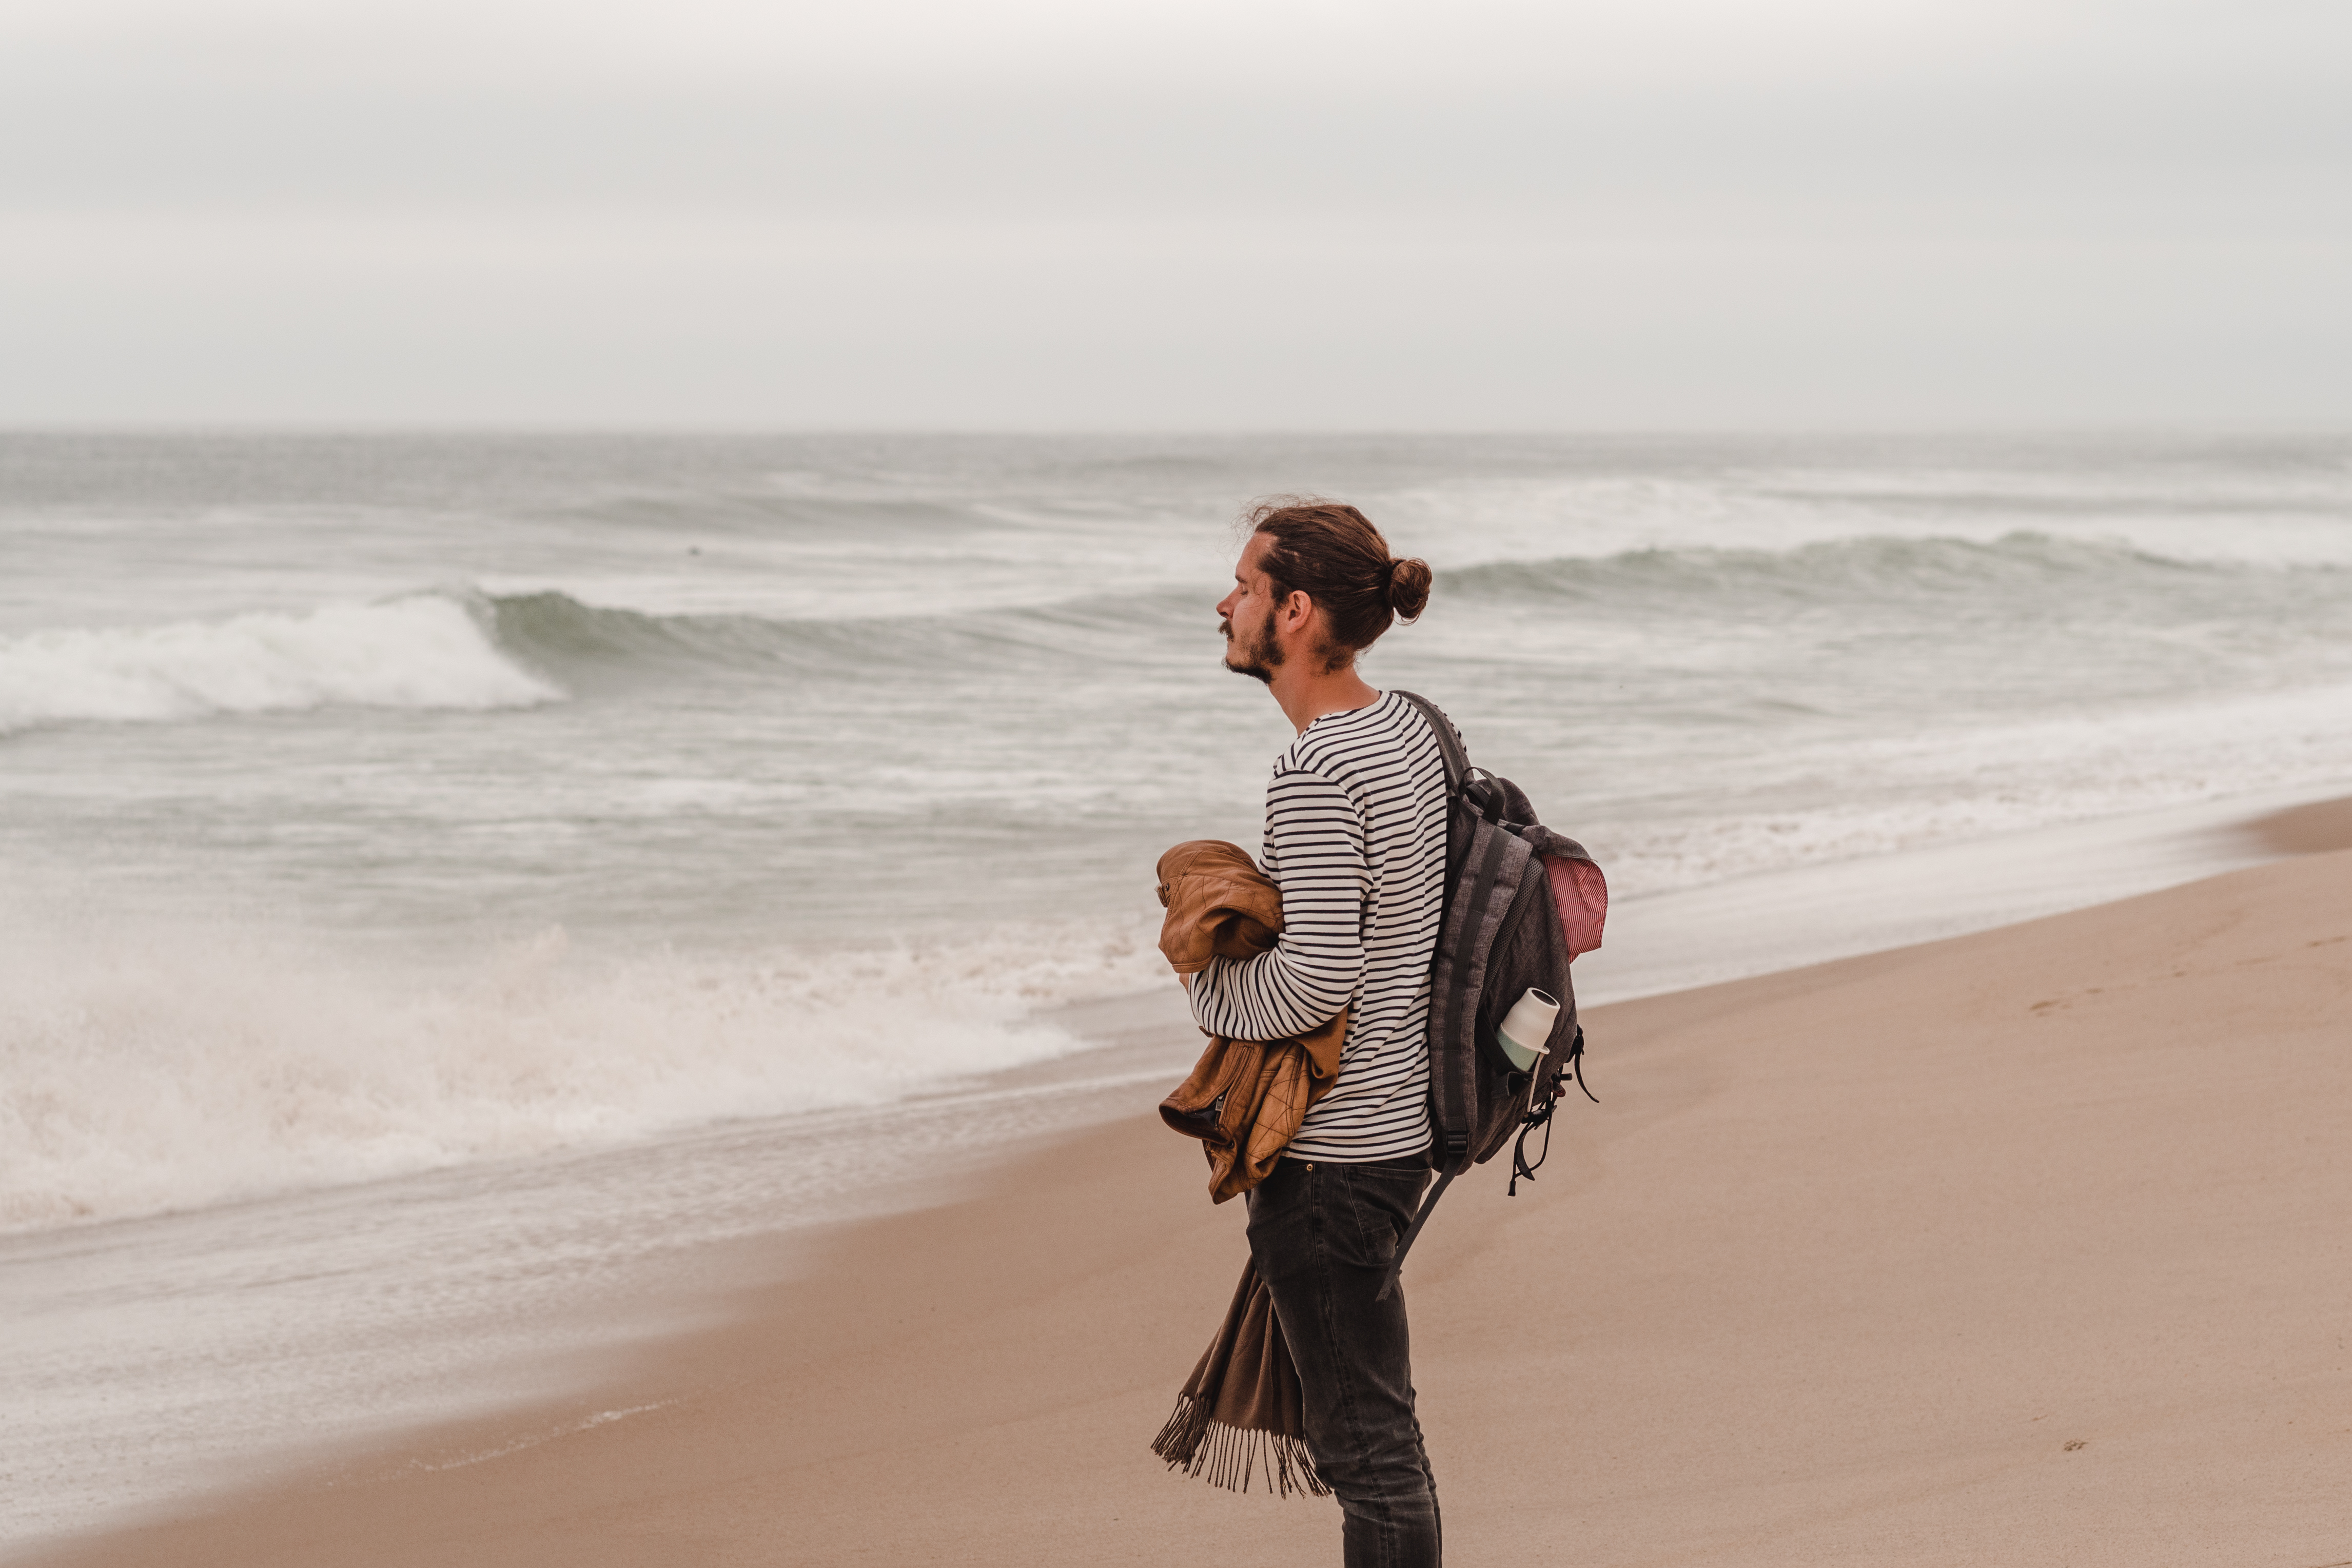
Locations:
column 1259, row 657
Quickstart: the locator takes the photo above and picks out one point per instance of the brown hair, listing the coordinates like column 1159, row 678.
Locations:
column 1332, row 553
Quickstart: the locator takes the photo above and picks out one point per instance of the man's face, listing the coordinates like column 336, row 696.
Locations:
column 1247, row 617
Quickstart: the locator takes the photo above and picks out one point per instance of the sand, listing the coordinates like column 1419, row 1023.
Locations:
column 2314, row 829
column 2027, row 1247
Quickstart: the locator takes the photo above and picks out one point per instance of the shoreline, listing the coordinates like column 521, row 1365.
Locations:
column 1741, row 1318
column 252, row 1338
column 2318, row 828
column 1769, row 921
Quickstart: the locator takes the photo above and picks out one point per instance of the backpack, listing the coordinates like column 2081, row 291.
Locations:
column 1520, row 903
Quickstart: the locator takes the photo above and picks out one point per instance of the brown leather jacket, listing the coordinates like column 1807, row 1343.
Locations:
column 1245, row 1098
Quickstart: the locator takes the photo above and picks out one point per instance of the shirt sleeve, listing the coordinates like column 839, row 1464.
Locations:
column 1314, row 852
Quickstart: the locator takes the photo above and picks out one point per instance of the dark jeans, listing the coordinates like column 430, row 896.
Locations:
column 1323, row 1235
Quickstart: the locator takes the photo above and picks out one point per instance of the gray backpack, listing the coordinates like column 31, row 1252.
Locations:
column 1521, row 901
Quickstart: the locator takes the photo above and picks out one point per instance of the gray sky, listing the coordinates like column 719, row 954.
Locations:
column 1205, row 214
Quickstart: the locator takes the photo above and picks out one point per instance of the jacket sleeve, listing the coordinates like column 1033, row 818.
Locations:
column 1315, row 851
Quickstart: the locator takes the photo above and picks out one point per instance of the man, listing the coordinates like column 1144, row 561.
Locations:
column 1355, row 838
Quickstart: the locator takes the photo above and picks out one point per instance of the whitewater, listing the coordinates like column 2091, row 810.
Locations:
column 375, row 804
column 453, row 889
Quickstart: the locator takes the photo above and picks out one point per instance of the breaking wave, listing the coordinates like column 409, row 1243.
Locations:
column 422, row 651
column 1867, row 567
column 465, row 651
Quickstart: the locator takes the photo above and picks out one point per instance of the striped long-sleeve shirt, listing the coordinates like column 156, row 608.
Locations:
column 1355, row 838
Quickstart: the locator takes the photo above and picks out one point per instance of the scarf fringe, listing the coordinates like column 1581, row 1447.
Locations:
column 1228, row 1457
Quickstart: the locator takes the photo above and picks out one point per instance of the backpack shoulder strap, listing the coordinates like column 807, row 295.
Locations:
column 1449, row 744
column 1485, row 864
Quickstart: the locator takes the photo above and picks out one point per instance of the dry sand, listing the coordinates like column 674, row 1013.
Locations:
column 2029, row 1247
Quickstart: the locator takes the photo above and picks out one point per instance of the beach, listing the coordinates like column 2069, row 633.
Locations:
column 603, row 628
column 2024, row 1247
column 507, row 943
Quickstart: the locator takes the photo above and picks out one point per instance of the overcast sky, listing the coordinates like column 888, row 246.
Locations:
column 1658, row 214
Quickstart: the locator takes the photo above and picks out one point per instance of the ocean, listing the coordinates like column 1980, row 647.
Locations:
column 436, row 808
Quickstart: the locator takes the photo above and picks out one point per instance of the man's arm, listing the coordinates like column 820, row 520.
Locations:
column 1315, row 847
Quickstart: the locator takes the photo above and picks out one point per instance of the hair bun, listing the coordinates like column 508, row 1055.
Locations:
column 1409, row 582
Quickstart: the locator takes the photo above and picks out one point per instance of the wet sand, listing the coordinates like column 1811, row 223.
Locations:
column 2319, row 828
column 2025, row 1247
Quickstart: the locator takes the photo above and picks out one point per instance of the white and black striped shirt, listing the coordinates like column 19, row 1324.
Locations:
column 1355, row 838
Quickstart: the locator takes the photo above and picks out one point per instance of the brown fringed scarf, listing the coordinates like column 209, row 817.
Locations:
column 1240, row 1413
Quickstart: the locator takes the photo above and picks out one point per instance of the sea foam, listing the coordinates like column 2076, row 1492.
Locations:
column 422, row 650
column 144, row 1070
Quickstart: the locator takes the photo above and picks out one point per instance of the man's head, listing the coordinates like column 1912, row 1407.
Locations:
column 1316, row 582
